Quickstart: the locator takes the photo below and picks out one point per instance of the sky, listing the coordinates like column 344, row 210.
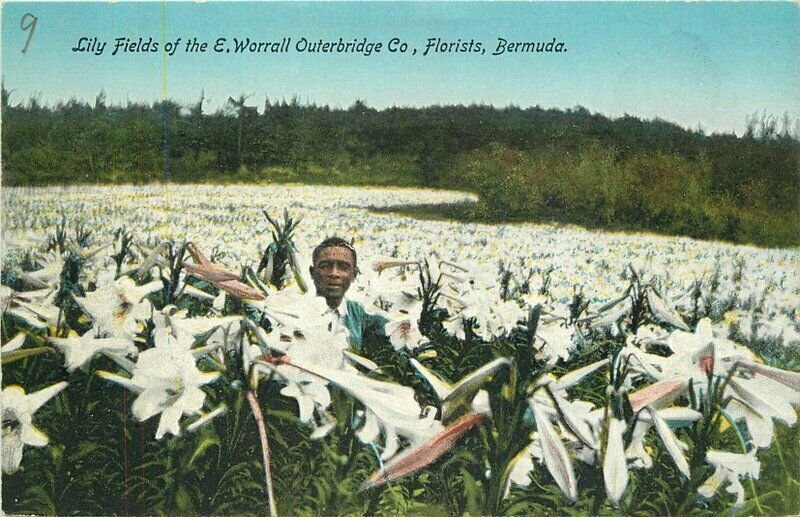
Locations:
column 700, row 65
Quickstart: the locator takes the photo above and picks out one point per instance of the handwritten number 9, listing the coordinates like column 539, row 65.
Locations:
column 29, row 25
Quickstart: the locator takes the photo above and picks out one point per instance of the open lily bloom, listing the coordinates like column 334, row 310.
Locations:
column 309, row 393
column 682, row 342
column 390, row 408
column 18, row 430
column 402, row 327
column 404, row 333
column 495, row 317
column 311, row 345
column 757, row 393
column 79, row 350
column 33, row 307
column 168, row 382
column 555, row 341
column 214, row 332
column 289, row 307
column 522, row 465
column 505, row 317
column 46, row 276
column 730, row 469
column 117, row 308
column 459, row 398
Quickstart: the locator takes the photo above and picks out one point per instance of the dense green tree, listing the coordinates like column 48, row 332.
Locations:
column 532, row 163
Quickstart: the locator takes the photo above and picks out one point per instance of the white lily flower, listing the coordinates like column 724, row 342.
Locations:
column 556, row 342
column 455, row 326
column 662, row 311
column 504, row 317
column 168, row 382
column 33, row 307
column 457, row 399
column 117, row 308
column 18, row 430
column 309, row 394
column 49, row 275
column 389, row 407
column 730, row 469
column 522, row 465
column 683, row 342
column 215, row 332
column 78, row 351
column 402, row 328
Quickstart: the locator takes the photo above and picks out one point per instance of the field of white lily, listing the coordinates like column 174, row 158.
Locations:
column 164, row 339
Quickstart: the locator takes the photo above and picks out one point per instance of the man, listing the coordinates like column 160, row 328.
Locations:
column 334, row 267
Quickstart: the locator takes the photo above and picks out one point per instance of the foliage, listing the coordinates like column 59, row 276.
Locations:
column 533, row 164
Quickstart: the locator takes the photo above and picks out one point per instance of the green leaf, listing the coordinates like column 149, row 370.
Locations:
column 37, row 500
column 183, row 500
column 22, row 354
column 471, row 491
column 212, row 441
column 84, row 449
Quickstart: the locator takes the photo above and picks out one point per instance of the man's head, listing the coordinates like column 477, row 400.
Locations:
column 334, row 267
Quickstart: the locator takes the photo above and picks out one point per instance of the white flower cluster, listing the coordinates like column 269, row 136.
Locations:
column 486, row 278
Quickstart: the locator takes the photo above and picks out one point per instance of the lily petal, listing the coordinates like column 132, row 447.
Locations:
column 786, row 377
column 656, row 393
column 35, row 400
column 570, row 379
column 670, row 442
column 664, row 312
column 413, row 459
column 556, row 457
column 615, row 467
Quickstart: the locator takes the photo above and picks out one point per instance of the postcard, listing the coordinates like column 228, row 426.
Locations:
column 430, row 258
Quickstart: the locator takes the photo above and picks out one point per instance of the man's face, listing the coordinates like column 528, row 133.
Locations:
column 333, row 272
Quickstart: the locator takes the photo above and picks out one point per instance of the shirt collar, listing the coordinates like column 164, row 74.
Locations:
column 341, row 309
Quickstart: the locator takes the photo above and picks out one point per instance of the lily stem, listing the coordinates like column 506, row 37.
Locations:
column 262, row 433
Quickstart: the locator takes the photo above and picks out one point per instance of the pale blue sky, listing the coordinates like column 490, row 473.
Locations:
column 708, row 64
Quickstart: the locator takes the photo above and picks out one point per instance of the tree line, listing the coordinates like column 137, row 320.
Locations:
column 525, row 163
